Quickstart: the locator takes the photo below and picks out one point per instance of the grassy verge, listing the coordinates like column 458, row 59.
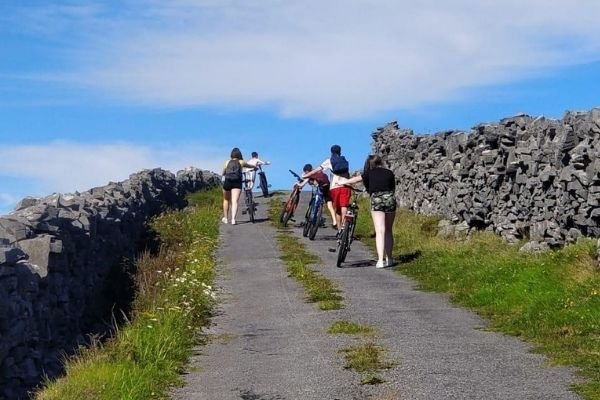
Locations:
column 174, row 298
column 298, row 260
column 551, row 300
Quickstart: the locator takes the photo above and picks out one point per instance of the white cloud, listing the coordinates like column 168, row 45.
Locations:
column 334, row 59
column 68, row 166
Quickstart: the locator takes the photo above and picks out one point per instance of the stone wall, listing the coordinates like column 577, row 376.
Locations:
column 64, row 268
column 524, row 178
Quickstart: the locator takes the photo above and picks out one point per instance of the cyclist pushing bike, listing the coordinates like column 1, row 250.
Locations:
column 250, row 173
column 320, row 197
column 340, row 194
column 380, row 183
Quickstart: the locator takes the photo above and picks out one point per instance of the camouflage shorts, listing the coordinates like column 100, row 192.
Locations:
column 383, row 201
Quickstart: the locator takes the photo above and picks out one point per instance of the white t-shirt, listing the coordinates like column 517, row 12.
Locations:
column 335, row 179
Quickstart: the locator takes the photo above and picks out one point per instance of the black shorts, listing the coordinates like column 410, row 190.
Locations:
column 230, row 184
column 325, row 192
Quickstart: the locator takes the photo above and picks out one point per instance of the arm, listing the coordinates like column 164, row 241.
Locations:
column 301, row 184
column 313, row 172
column 351, row 181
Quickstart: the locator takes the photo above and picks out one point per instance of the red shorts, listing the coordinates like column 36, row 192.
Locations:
column 340, row 197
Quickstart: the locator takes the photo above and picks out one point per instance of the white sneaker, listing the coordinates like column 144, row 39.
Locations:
column 380, row 264
column 233, row 222
column 389, row 262
column 224, row 220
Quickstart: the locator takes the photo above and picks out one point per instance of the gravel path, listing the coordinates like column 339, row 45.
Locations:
column 270, row 345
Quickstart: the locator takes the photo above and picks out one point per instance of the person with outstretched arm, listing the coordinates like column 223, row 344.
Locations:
column 380, row 183
column 340, row 194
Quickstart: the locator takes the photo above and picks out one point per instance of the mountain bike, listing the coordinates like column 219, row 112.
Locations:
column 314, row 214
column 263, row 184
column 346, row 235
column 248, row 201
column 292, row 203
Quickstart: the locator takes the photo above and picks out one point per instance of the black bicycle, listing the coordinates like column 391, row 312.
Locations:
column 314, row 214
column 248, row 201
column 292, row 202
column 346, row 235
column 262, row 182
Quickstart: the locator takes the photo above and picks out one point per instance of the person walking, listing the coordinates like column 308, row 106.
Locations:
column 380, row 183
column 232, row 184
column 250, row 173
column 340, row 194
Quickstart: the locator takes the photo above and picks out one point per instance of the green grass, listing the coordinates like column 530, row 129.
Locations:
column 367, row 359
column 174, row 298
column 298, row 260
column 552, row 300
column 346, row 327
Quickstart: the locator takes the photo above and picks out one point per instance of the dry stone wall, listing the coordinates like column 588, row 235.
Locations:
column 524, row 177
column 64, row 267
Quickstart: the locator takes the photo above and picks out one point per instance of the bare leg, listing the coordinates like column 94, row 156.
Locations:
column 226, row 203
column 379, row 223
column 340, row 216
column 389, row 234
column 235, row 202
column 332, row 212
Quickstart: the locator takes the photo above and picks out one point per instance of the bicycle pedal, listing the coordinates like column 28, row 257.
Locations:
column 244, row 212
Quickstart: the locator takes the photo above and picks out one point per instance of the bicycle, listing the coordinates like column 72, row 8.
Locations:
column 292, row 203
column 314, row 214
column 248, row 201
column 263, row 184
column 346, row 235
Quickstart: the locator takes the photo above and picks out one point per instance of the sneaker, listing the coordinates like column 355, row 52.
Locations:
column 380, row 264
column 389, row 262
column 224, row 220
column 233, row 222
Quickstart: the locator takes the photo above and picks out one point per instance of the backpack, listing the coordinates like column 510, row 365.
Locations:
column 339, row 164
column 233, row 171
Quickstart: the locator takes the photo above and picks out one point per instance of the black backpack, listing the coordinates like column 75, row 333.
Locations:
column 339, row 165
column 233, row 171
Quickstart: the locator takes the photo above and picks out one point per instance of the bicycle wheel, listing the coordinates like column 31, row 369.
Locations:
column 250, row 205
column 264, row 186
column 343, row 246
column 307, row 219
column 316, row 221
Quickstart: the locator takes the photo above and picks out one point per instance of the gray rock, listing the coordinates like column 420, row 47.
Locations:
column 534, row 247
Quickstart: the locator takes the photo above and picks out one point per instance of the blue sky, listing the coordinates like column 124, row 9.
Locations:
column 93, row 91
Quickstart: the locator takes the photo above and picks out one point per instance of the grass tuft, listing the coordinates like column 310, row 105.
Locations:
column 345, row 327
column 366, row 358
column 550, row 299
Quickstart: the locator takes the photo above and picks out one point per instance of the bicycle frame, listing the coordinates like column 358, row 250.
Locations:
column 313, row 213
column 292, row 203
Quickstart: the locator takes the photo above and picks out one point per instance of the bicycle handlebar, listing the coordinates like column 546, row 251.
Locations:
column 298, row 177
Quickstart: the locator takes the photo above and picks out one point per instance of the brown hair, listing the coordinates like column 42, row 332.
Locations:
column 236, row 154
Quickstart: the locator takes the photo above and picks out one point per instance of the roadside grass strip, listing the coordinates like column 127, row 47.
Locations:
column 173, row 301
column 298, row 260
column 550, row 299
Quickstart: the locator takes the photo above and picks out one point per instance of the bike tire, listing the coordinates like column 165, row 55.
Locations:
column 264, row 186
column 250, row 206
column 342, row 247
column 316, row 222
column 307, row 219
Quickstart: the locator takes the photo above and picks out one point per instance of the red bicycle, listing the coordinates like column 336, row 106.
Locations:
column 292, row 203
